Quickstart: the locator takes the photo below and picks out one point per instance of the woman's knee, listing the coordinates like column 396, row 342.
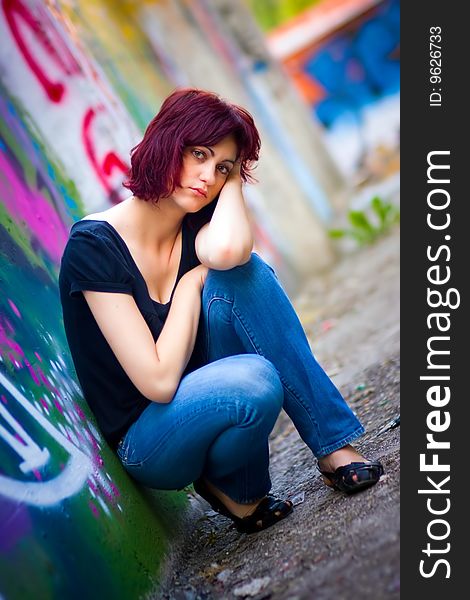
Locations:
column 257, row 382
column 256, row 267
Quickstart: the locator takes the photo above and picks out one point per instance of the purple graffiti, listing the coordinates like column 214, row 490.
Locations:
column 16, row 525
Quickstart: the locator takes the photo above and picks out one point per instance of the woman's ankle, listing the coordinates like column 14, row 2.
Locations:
column 236, row 508
column 340, row 458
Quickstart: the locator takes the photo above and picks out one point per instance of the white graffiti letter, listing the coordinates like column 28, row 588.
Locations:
column 33, row 457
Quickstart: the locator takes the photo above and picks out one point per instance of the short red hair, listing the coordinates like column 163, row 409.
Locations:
column 188, row 117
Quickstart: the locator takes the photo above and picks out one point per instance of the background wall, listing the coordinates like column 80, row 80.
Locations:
column 344, row 58
column 79, row 81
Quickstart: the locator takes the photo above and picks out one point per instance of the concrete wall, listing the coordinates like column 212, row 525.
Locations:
column 78, row 82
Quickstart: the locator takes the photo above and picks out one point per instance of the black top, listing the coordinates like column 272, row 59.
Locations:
column 97, row 258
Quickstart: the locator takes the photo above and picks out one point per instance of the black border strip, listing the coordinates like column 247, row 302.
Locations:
column 432, row 127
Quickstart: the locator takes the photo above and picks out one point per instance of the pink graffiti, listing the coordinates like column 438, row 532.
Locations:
column 110, row 162
column 32, row 210
column 9, row 326
column 13, row 360
column 14, row 308
column 32, row 372
column 50, row 41
column 92, row 440
column 94, row 510
column 44, row 378
column 6, row 341
column 59, row 407
column 16, row 348
column 116, row 492
column 106, row 492
column 79, row 412
column 19, row 438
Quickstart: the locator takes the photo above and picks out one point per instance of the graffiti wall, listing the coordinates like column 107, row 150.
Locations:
column 68, row 98
column 343, row 56
column 71, row 521
column 65, row 503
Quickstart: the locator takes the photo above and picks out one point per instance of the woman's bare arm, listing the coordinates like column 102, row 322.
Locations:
column 227, row 241
column 154, row 368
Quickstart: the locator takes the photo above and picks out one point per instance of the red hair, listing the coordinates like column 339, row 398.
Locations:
column 188, row 117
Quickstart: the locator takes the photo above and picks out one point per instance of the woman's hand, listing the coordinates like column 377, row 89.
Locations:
column 234, row 174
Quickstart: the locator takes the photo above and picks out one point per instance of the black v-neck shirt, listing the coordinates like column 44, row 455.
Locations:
column 96, row 258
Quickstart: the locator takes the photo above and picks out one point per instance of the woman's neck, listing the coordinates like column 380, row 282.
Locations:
column 147, row 224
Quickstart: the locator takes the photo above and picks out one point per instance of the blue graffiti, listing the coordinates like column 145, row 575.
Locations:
column 358, row 66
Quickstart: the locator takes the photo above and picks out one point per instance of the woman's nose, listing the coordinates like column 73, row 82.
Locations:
column 207, row 174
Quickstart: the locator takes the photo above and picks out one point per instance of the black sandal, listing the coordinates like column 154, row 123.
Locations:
column 354, row 477
column 268, row 512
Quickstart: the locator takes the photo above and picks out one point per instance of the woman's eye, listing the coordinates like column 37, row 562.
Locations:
column 224, row 170
column 198, row 153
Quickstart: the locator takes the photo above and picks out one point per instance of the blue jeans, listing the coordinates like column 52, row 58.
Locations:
column 251, row 359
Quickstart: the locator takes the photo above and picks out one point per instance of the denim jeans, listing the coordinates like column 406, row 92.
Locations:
column 251, row 358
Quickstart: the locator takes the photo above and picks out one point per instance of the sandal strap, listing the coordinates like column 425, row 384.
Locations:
column 269, row 511
column 355, row 476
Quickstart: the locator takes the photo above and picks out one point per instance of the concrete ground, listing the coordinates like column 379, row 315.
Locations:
column 333, row 546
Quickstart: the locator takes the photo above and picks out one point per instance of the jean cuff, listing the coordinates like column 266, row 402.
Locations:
column 236, row 498
column 341, row 443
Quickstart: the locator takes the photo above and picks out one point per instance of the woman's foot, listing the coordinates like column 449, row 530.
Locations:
column 247, row 518
column 348, row 471
column 340, row 458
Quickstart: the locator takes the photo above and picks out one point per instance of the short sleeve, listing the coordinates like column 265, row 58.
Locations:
column 91, row 262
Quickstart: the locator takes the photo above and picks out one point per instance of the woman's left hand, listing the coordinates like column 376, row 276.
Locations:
column 234, row 174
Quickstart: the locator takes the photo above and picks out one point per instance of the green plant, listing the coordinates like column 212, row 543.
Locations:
column 367, row 225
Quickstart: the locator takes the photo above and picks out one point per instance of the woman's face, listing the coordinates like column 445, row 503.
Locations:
column 205, row 170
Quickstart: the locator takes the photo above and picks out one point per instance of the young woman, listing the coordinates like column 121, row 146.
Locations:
column 185, row 345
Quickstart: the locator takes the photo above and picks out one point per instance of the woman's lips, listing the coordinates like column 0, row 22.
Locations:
column 200, row 192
